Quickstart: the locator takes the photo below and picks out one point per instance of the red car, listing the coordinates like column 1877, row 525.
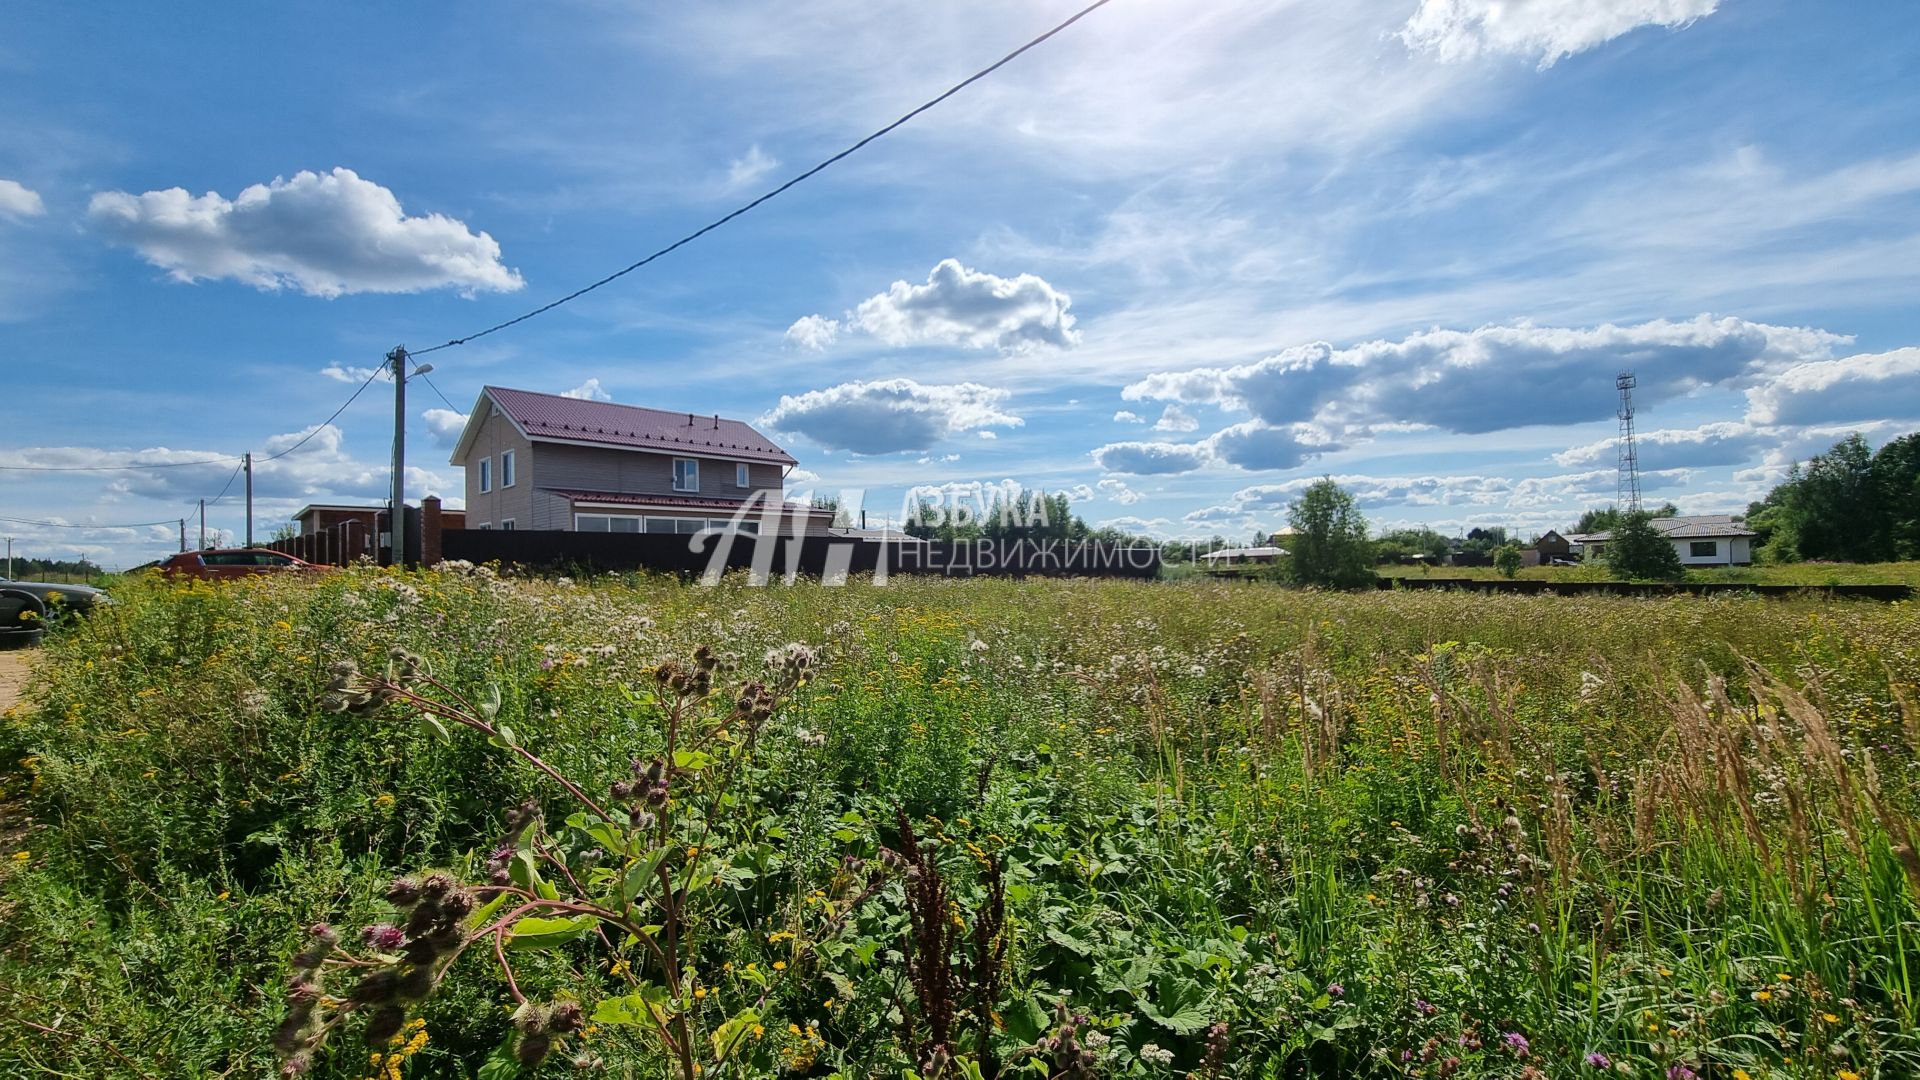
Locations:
column 233, row 563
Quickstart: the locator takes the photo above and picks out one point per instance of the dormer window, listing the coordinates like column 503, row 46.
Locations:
column 686, row 474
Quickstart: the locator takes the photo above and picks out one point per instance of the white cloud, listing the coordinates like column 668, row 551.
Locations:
column 1175, row 418
column 813, row 332
column 958, row 306
column 324, row 234
column 19, row 201
column 1723, row 443
column 1137, row 525
column 1255, row 445
column 1490, row 379
column 1126, row 417
column 890, row 415
column 445, row 425
column 1860, row 387
column 753, row 165
column 802, row 476
column 1117, row 490
column 1081, row 493
column 351, row 375
column 1152, row 458
column 588, row 391
column 1542, row 30
column 985, row 434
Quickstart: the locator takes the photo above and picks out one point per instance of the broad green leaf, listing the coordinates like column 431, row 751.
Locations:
column 644, row 1007
column 537, row 933
column 691, row 760
column 501, row 1064
column 1026, row 1020
column 728, row 1036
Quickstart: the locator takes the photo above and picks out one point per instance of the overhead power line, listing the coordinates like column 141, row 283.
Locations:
column 66, row 525
column 809, row 174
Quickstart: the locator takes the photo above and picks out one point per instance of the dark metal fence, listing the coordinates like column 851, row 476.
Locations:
column 1530, row 586
column 814, row 556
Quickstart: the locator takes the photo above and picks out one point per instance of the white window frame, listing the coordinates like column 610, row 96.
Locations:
column 484, row 525
column 742, row 476
column 506, row 524
column 695, row 463
column 486, row 475
column 507, row 469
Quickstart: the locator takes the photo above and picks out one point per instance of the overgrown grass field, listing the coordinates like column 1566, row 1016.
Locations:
column 960, row 829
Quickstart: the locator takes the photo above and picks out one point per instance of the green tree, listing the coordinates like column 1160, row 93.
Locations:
column 1507, row 559
column 1639, row 550
column 1330, row 547
column 1896, row 477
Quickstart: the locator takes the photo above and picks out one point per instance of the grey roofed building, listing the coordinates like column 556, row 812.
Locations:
column 1700, row 540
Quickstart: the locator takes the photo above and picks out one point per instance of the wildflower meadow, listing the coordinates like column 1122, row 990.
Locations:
column 376, row 824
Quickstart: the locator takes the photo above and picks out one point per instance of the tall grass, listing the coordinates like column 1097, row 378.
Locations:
column 1244, row 832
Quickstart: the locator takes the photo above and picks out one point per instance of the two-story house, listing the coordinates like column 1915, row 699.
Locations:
column 543, row 461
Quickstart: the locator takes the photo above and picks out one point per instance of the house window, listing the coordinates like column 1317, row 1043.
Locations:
column 506, row 523
column 506, row 468
column 1703, row 549
column 749, row 528
column 740, row 477
column 659, row 525
column 486, row 475
column 483, row 525
column 620, row 523
column 686, row 475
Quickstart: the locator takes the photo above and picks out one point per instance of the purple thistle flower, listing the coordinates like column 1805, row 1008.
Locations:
column 384, row 936
column 1425, row 1007
column 1599, row 1060
column 1681, row 1072
column 1517, row 1043
column 1336, row 990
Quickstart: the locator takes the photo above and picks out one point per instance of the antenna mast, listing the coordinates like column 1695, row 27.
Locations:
column 1627, row 493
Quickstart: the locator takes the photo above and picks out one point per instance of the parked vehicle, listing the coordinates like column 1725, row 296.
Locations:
column 233, row 563
column 56, row 596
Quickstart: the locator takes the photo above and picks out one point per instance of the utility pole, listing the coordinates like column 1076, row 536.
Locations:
column 203, row 524
column 397, row 506
column 397, row 511
column 9, row 557
column 247, row 462
column 183, row 534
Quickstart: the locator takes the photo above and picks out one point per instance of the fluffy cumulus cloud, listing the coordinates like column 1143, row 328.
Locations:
column 444, row 425
column 959, row 306
column 1175, row 418
column 1852, row 388
column 1151, row 458
column 1727, row 442
column 890, row 415
column 1125, row 416
column 1490, row 379
column 19, row 201
column 1255, row 445
column 588, row 391
column 813, row 332
column 323, row 234
column 1542, row 30
column 1116, row 489
column 352, row 375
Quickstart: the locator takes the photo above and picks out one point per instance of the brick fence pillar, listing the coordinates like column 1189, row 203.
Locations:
column 430, row 530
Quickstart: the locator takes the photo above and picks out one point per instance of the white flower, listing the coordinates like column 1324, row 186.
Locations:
column 1154, row 1054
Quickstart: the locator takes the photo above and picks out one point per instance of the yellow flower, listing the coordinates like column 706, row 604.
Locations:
column 793, row 1029
column 22, row 855
column 779, row 965
column 1830, row 1018
column 699, row 992
column 383, row 801
column 1742, row 1074
column 758, row 1030
column 1763, row 996
column 1784, row 977
column 223, row 895
column 1665, row 973
column 1847, row 1074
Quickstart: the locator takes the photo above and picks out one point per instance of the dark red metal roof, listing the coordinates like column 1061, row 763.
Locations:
column 550, row 416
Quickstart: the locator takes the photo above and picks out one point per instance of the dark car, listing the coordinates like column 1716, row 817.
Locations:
column 233, row 563
column 27, row 606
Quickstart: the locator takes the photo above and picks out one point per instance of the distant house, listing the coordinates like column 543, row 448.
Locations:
column 1265, row 554
column 316, row 518
column 543, row 461
column 1547, row 549
column 1704, row 540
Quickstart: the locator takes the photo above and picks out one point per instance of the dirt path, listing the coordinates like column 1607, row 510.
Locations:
column 14, row 664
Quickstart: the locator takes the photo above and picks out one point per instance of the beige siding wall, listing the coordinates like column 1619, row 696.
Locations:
column 497, row 435
column 558, row 467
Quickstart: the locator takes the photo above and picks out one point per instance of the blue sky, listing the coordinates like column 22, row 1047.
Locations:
column 1179, row 261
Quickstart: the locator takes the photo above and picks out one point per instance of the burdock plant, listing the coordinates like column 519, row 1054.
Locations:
column 625, row 874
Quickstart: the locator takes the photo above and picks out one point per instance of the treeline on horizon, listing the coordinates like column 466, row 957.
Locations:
column 25, row 568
